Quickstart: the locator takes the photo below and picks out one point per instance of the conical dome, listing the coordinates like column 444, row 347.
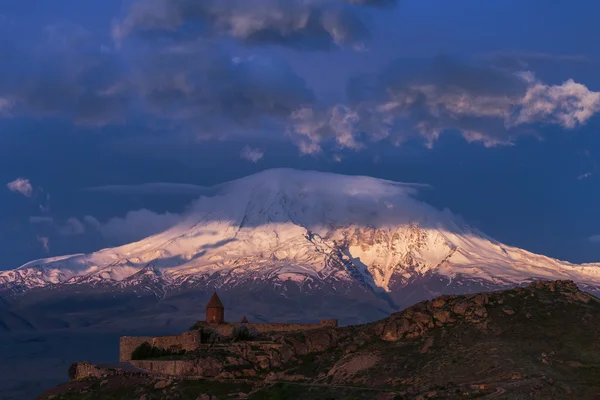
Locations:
column 214, row 302
column 244, row 320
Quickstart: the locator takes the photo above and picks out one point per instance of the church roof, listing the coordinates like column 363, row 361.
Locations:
column 214, row 302
column 244, row 320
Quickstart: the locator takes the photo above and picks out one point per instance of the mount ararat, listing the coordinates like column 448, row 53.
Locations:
column 281, row 244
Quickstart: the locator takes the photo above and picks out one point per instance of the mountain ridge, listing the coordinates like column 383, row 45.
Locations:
column 304, row 232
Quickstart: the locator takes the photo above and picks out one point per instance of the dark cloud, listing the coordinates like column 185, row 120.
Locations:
column 314, row 25
column 376, row 3
column 189, row 86
column 202, row 88
column 65, row 75
column 423, row 99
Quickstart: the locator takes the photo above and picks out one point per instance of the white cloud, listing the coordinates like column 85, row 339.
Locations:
column 584, row 176
column 21, row 185
column 309, row 127
column 135, row 225
column 45, row 241
column 252, row 155
column 568, row 105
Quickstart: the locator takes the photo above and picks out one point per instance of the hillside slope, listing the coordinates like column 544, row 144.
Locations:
column 538, row 341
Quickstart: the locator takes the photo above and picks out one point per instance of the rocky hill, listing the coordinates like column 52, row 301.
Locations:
column 537, row 341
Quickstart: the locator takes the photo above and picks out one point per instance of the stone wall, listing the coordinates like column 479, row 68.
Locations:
column 127, row 344
column 227, row 328
column 186, row 341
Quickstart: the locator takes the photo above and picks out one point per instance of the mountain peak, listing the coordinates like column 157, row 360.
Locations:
column 285, row 226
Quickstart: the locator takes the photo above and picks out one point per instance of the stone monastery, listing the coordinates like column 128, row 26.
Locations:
column 215, row 320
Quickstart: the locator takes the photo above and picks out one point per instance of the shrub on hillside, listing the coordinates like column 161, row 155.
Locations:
column 145, row 351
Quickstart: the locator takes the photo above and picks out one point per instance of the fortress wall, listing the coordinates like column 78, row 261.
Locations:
column 186, row 341
column 227, row 328
column 127, row 344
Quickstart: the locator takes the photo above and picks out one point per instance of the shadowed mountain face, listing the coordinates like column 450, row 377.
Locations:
column 538, row 341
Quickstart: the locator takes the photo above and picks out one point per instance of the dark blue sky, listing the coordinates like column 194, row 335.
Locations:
column 494, row 104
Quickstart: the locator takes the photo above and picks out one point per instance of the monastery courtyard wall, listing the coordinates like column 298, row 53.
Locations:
column 187, row 341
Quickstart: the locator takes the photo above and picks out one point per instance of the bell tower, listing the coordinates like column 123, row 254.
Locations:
column 215, row 312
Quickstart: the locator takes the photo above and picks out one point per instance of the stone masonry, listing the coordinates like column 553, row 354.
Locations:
column 191, row 340
column 187, row 341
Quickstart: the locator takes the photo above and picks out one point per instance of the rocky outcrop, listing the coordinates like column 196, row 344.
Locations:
column 203, row 366
column 351, row 365
column 421, row 318
column 84, row 370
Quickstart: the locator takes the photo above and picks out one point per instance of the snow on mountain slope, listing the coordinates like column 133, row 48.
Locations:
column 288, row 225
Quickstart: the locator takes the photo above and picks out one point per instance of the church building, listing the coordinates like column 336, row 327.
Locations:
column 215, row 312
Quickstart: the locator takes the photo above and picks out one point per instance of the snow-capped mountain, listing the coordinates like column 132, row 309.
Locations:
column 312, row 230
column 299, row 225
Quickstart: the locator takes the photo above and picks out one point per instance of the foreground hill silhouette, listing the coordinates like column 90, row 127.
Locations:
column 539, row 341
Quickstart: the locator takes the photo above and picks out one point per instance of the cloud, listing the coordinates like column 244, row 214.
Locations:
column 568, row 105
column 202, row 89
column 424, row 99
column 45, row 241
column 21, row 185
column 65, row 75
column 41, row 220
column 152, row 188
column 190, row 88
column 250, row 154
column 309, row 127
column 301, row 24
column 5, row 105
column 584, row 176
column 71, row 227
column 594, row 239
column 135, row 225
column 185, row 87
